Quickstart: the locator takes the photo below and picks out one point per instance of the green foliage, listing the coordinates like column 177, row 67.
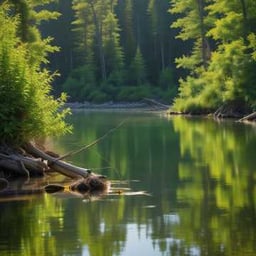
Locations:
column 134, row 93
column 122, row 42
column 100, row 40
column 228, row 75
column 137, row 74
column 79, row 83
column 252, row 44
column 27, row 108
column 192, row 23
column 166, row 78
column 98, row 96
column 112, row 49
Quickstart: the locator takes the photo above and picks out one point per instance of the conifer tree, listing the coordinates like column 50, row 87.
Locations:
column 100, row 41
column 137, row 69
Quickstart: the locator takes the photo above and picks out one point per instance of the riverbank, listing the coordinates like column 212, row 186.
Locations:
column 153, row 105
column 146, row 104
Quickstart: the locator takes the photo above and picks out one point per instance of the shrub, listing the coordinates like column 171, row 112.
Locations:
column 27, row 108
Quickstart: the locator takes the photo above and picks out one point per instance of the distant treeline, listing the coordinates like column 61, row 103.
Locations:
column 200, row 55
column 114, row 50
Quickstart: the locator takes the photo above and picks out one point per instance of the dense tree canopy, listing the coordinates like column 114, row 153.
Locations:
column 202, row 53
column 120, row 49
column 223, row 73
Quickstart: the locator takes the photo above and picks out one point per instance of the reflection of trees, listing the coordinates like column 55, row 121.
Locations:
column 28, row 229
column 200, row 175
column 140, row 150
column 216, row 176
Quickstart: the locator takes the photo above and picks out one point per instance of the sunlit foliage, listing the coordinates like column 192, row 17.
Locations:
column 27, row 108
column 228, row 76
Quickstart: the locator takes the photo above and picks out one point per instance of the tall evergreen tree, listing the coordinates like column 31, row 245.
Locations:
column 124, row 10
column 113, row 50
column 137, row 69
column 192, row 26
column 107, row 34
column 100, row 28
column 61, row 31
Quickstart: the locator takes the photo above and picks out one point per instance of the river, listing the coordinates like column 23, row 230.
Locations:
column 187, row 187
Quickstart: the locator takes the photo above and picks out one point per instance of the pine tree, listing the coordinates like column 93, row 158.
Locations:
column 100, row 41
column 124, row 11
column 113, row 50
column 192, row 26
column 137, row 74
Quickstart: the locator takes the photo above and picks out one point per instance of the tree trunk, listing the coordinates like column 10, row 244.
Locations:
column 22, row 165
column 57, row 165
column 251, row 117
column 99, row 42
column 204, row 41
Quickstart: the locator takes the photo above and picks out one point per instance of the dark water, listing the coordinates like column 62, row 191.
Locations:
column 200, row 175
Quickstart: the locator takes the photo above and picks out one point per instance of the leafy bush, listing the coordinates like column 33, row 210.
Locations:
column 27, row 108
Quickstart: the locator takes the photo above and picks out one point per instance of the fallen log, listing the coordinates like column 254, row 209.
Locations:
column 64, row 168
column 23, row 165
column 250, row 117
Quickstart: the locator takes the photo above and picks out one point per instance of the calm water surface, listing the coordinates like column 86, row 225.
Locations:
column 200, row 175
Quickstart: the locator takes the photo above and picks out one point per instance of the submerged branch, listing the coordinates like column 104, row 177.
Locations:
column 91, row 144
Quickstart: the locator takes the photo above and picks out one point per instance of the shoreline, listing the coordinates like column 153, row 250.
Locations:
column 116, row 106
column 154, row 106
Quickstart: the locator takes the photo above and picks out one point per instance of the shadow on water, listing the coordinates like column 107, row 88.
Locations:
column 199, row 176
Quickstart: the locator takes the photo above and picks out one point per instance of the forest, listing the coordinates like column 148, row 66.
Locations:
column 198, row 174
column 198, row 56
column 114, row 50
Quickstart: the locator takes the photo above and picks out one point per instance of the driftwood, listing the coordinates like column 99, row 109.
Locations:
column 22, row 165
column 64, row 168
column 17, row 160
column 28, row 159
column 35, row 162
column 156, row 104
column 227, row 111
column 251, row 117
column 31, row 159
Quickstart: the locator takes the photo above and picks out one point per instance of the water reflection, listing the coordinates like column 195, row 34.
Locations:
column 200, row 175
